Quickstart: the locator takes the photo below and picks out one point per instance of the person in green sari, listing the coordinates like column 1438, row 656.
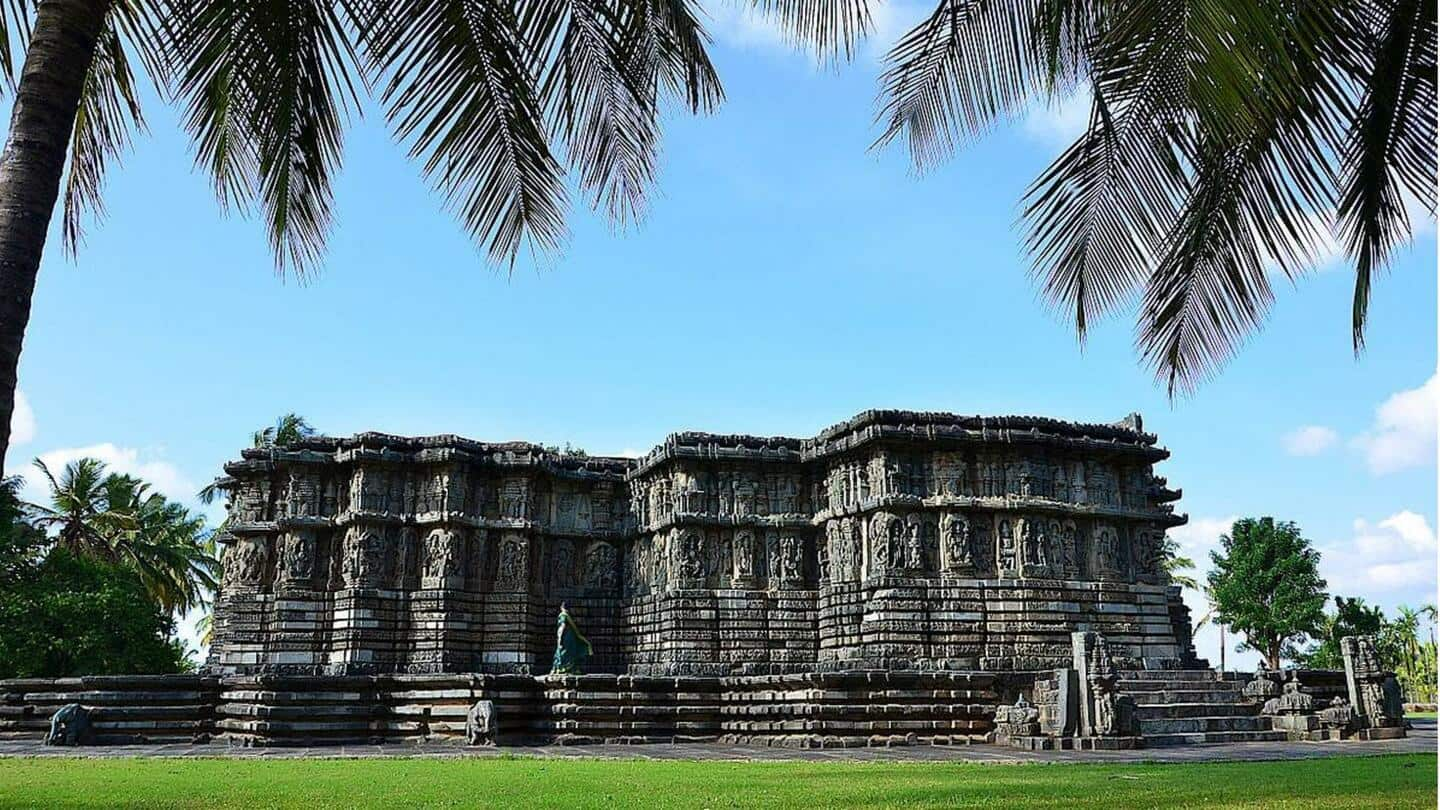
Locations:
column 571, row 646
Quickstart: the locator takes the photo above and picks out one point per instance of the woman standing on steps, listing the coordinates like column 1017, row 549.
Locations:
column 571, row 646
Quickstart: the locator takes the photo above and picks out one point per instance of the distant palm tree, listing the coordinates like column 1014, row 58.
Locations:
column 164, row 542
column 1225, row 138
column 1175, row 565
column 118, row 519
column 288, row 429
column 1407, row 627
column 79, row 511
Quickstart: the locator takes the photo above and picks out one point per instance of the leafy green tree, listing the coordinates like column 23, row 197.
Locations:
column 64, row 613
column 1352, row 617
column 1266, row 585
column 73, row 615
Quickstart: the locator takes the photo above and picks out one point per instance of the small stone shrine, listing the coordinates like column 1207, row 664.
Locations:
column 893, row 541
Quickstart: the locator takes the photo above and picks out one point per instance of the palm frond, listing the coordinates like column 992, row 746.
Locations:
column 461, row 91
column 1264, row 114
column 974, row 62
column 14, row 30
column 1097, row 218
column 109, row 112
column 269, row 86
column 1390, row 151
column 831, row 29
column 603, row 87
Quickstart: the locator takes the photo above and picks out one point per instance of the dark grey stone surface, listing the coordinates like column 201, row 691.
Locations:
column 1422, row 740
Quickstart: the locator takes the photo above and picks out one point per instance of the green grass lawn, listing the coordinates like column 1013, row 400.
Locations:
column 1371, row 782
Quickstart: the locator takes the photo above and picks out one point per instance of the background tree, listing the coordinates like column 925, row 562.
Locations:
column 117, row 519
column 1398, row 643
column 64, row 613
column 1266, row 585
column 1352, row 617
column 287, row 430
column 1175, row 565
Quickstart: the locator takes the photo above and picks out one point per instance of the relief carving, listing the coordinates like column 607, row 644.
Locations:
column 512, row 572
column 600, row 568
column 297, row 556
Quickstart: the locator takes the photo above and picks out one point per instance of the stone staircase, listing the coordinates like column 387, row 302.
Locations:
column 1189, row 707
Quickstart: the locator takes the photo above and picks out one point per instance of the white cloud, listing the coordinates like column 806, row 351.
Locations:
column 22, row 420
column 1060, row 122
column 1311, row 440
column 1403, row 433
column 741, row 25
column 1387, row 563
column 163, row 476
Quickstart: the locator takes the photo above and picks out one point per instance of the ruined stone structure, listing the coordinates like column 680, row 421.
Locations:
column 893, row 541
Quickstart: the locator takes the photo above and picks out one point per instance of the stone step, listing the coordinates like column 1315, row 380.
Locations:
column 1152, row 711
column 1149, row 698
column 1212, row 737
column 1190, row 725
column 1156, row 685
column 1168, row 675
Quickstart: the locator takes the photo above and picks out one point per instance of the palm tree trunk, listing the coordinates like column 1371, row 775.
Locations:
column 62, row 45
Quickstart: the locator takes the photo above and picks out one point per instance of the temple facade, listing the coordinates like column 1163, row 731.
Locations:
column 895, row 541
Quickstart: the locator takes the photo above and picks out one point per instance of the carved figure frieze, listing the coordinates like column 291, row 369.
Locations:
column 743, row 550
column 442, row 556
column 562, row 565
column 601, row 569
column 690, row 556
column 1006, row 555
column 791, row 570
column 296, row 562
column 959, row 542
column 364, row 558
column 512, row 571
column 246, row 561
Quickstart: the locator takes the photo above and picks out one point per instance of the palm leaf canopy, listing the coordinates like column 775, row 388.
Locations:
column 1228, row 140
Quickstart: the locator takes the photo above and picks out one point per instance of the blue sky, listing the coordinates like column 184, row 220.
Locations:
column 785, row 279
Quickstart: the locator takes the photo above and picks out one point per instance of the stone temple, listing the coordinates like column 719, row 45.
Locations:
column 899, row 579
column 893, row 541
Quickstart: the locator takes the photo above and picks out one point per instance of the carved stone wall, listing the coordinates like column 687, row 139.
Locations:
column 895, row 540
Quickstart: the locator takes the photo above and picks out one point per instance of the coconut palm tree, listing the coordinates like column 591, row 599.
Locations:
column 288, row 429
column 1226, row 139
column 118, row 519
column 163, row 542
column 78, row 511
column 1174, row 564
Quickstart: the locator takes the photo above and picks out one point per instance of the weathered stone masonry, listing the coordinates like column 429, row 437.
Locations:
column 895, row 540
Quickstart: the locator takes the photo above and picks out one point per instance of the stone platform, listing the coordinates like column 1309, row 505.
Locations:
column 1422, row 740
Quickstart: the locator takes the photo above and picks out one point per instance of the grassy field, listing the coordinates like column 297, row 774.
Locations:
column 1391, row 781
